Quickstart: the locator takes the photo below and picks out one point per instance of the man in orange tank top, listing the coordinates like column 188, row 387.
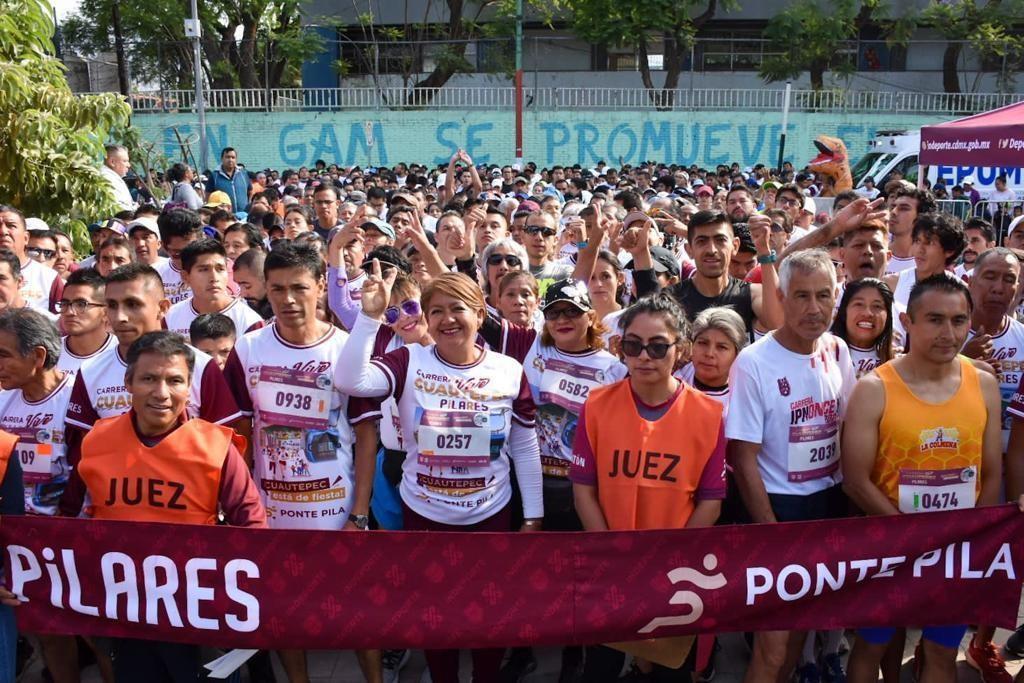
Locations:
column 922, row 433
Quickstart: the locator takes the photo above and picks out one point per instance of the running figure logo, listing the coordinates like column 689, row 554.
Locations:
column 783, row 386
column 689, row 598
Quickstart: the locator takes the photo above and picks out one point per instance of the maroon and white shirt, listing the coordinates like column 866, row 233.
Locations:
column 180, row 316
column 41, row 287
column 70, row 362
column 302, row 437
column 175, row 288
column 39, row 426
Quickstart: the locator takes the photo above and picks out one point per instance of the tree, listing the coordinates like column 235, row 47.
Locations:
column 50, row 139
column 269, row 52
column 991, row 29
column 807, row 36
column 633, row 24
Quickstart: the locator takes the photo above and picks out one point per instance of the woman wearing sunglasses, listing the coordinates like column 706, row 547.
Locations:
column 649, row 450
column 498, row 259
column 864, row 322
column 467, row 417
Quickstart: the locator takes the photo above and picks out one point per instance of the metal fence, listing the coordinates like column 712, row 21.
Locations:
column 499, row 98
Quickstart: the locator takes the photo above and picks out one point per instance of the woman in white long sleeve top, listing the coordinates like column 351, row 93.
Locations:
column 470, row 414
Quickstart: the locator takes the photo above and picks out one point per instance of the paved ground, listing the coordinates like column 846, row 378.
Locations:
column 341, row 667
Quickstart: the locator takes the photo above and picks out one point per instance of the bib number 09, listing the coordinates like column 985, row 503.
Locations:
column 27, row 455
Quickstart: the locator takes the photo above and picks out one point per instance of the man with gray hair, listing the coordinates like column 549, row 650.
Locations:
column 789, row 394
column 32, row 408
column 115, row 167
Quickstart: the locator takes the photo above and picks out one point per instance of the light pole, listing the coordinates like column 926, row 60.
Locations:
column 519, row 84
column 192, row 28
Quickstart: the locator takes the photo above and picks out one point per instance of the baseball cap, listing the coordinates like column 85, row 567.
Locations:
column 704, row 190
column 662, row 261
column 770, row 185
column 1017, row 222
column 357, row 196
column 380, row 226
column 528, row 206
column 568, row 290
column 521, row 179
column 697, row 182
column 969, row 180
column 146, row 223
column 33, row 223
column 496, row 183
column 635, row 217
column 111, row 224
column 809, row 205
column 216, row 198
column 405, row 197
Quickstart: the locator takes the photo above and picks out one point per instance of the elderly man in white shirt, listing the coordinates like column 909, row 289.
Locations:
column 113, row 170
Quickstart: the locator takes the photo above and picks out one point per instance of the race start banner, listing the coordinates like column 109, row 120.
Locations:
column 251, row 588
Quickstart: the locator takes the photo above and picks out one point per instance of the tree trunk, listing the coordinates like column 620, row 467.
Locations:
column 423, row 92
column 817, row 72
column 673, row 66
column 247, row 66
column 950, row 72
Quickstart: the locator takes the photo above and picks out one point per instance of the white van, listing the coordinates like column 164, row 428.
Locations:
column 898, row 149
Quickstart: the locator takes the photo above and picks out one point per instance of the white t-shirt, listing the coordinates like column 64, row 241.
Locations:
column 793, row 405
column 1008, row 349
column 871, row 194
column 302, row 440
column 560, row 383
column 39, row 427
column 180, row 316
column 100, row 392
column 904, row 284
column 897, row 264
column 37, row 286
column 456, row 420
column 961, row 272
column 864, row 360
column 175, row 289
column 69, row 362
column 613, row 333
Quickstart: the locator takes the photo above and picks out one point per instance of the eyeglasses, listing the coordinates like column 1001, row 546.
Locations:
column 655, row 350
column 77, row 306
column 569, row 312
column 788, row 201
column 541, row 229
column 410, row 307
column 40, row 254
column 511, row 260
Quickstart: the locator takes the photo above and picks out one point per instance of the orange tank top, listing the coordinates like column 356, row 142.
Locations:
column 648, row 472
column 929, row 454
column 7, row 443
column 177, row 480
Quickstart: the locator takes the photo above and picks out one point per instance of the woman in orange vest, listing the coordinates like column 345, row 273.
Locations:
column 649, row 450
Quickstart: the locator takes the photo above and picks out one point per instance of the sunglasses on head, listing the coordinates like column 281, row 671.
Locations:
column 570, row 312
column 511, row 260
column 655, row 350
column 540, row 229
column 410, row 307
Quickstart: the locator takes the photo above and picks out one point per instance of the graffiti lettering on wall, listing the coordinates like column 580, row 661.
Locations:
column 283, row 140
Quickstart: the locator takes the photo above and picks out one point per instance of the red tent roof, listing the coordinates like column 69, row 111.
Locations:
column 993, row 138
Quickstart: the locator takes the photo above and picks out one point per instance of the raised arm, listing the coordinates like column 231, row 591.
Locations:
column 355, row 375
column 850, row 217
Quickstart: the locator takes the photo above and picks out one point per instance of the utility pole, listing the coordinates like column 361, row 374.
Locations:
column 122, row 66
column 519, row 84
column 193, row 30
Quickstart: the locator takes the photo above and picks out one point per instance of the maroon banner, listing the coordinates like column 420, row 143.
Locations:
column 329, row 590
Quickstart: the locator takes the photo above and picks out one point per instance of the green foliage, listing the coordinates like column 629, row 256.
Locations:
column 50, row 139
column 806, row 37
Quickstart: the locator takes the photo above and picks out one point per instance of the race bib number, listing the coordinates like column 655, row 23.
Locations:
column 454, row 439
column 567, row 385
column 36, row 461
column 293, row 398
column 931, row 490
column 813, row 452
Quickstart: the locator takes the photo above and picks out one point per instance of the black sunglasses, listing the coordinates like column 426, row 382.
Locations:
column 655, row 350
column 570, row 312
column 542, row 229
column 40, row 253
column 510, row 259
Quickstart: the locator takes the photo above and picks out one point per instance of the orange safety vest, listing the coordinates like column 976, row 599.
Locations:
column 648, row 472
column 177, row 480
column 7, row 443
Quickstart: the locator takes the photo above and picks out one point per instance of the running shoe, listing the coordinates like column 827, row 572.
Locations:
column 1015, row 643
column 519, row 665
column 808, row 673
column 832, row 669
column 986, row 659
column 392, row 662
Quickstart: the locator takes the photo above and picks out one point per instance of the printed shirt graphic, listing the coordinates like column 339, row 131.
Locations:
column 560, row 383
column 99, row 391
column 41, row 287
column 39, row 427
column 69, row 362
column 175, row 289
column 456, row 422
column 793, row 407
column 302, row 439
column 180, row 316
column 864, row 360
column 1008, row 350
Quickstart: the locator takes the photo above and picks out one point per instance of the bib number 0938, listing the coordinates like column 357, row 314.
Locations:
column 286, row 399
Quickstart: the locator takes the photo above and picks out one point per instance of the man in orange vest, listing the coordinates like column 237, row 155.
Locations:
column 12, row 502
column 153, row 464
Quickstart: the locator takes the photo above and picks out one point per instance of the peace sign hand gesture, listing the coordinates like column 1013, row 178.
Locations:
column 376, row 291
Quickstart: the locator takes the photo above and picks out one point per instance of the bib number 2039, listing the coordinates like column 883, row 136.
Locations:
column 823, row 454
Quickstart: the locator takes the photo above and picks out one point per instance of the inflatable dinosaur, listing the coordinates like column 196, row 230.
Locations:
column 833, row 163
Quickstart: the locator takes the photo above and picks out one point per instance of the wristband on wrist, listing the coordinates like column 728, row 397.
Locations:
column 582, row 245
column 770, row 257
